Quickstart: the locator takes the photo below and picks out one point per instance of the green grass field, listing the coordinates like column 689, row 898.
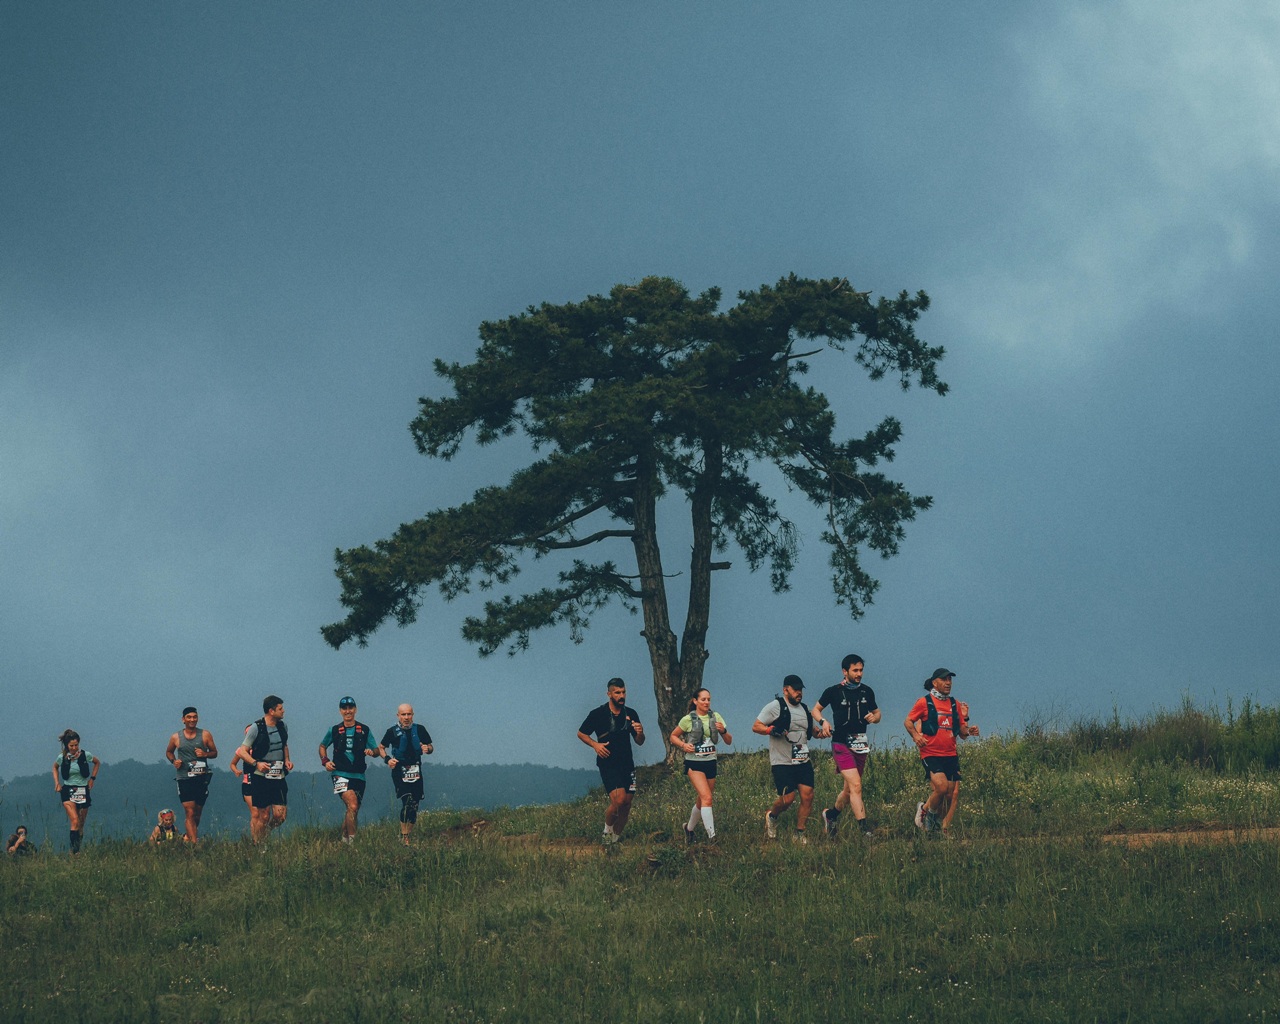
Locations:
column 1030, row 914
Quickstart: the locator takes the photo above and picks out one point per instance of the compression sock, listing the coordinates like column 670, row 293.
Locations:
column 708, row 822
column 694, row 818
column 75, row 841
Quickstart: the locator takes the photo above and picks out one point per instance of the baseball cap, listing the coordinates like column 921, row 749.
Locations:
column 941, row 673
column 347, row 702
column 795, row 682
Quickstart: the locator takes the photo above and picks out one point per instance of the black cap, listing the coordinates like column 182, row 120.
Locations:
column 941, row 673
column 347, row 702
column 795, row 682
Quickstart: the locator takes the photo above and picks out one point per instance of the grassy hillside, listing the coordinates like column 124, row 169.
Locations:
column 1030, row 915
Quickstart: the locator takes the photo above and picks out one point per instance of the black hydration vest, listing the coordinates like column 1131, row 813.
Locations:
column 262, row 742
column 354, row 763
column 784, row 717
column 81, row 760
column 930, row 724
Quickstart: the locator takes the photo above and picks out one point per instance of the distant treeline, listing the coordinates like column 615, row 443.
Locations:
column 130, row 794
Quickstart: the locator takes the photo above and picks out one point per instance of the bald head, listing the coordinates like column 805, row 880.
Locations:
column 405, row 714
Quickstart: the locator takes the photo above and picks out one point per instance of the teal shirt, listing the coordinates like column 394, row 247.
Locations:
column 74, row 778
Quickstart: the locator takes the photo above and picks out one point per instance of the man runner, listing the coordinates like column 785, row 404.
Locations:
column 789, row 726
column 853, row 707
column 265, row 752
column 403, row 747
column 934, row 724
column 351, row 741
column 614, row 725
column 190, row 750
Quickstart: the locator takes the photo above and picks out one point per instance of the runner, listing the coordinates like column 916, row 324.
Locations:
column 703, row 727
column 789, row 726
column 853, row 707
column 246, row 778
column 351, row 741
column 166, row 830
column 265, row 752
column 936, row 721
column 190, row 750
column 614, row 725
column 403, row 747
column 73, row 782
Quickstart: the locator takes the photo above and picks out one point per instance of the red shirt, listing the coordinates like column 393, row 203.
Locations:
column 943, row 742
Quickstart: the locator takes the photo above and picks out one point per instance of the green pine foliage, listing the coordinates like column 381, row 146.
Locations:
column 1034, row 911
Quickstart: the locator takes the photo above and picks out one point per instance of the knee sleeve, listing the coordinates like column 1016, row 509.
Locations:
column 408, row 810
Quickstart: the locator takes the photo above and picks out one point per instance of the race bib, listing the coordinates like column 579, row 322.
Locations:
column 339, row 784
column 275, row 771
column 412, row 773
column 705, row 748
column 860, row 744
column 198, row 768
column 799, row 753
column 79, row 794
column 632, row 788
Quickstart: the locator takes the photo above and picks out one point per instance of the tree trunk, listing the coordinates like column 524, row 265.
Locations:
column 658, row 634
column 693, row 651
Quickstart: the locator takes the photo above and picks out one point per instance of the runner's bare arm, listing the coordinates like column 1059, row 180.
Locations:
column 600, row 749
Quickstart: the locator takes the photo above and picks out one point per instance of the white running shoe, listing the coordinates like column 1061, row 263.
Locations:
column 920, row 815
column 770, row 825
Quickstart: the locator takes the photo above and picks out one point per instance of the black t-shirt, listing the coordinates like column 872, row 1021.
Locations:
column 614, row 731
column 413, row 755
column 849, row 706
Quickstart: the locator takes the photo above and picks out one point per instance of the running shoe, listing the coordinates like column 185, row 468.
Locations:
column 932, row 823
column 920, row 814
column 609, row 838
column 770, row 825
column 829, row 825
column 688, row 835
column 801, row 838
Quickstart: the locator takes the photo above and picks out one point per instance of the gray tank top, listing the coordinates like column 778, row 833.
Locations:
column 192, row 767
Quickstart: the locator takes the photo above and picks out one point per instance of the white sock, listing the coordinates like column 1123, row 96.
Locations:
column 608, row 829
column 694, row 818
column 708, row 822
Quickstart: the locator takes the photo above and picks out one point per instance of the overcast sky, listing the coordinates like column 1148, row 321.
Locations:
column 234, row 236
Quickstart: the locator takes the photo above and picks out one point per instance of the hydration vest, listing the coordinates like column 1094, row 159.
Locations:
column 697, row 732
column 81, row 760
column 930, row 724
column 262, row 742
column 784, row 717
column 410, row 753
column 354, row 763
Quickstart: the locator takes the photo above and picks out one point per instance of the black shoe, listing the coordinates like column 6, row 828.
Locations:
column 688, row 836
column 829, row 825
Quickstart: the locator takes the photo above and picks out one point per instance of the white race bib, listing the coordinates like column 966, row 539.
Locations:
column 198, row 768
column 79, row 794
column 632, row 787
column 339, row 784
column 275, row 771
column 412, row 773
column 860, row 744
column 799, row 753
column 705, row 748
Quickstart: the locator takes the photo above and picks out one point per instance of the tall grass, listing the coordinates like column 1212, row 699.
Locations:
column 1029, row 917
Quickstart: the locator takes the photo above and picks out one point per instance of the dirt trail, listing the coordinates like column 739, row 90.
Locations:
column 1212, row 835
column 587, row 848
